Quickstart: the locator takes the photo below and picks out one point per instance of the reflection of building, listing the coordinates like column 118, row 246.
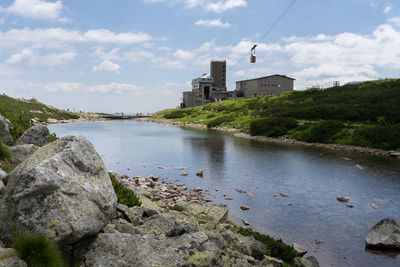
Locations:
column 272, row 85
column 209, row 87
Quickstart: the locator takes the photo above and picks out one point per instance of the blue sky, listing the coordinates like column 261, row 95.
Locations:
column 139, row 56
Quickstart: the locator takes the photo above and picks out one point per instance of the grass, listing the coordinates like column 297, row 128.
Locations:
column 5, row 153
column 273, row 248
column 124, row 195
column 21, row 112
column 37, row 251
column 366, row 114
column 177, row 208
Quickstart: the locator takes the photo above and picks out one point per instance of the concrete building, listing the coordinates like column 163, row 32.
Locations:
column 272, row 85
column 208, row 87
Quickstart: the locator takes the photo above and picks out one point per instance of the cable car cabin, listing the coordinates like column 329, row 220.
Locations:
column 253, row 54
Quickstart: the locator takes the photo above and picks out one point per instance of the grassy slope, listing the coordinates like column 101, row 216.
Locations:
column 367, row 114
column 21, row 112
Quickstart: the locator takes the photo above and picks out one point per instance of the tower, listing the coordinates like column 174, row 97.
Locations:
column 218, row 72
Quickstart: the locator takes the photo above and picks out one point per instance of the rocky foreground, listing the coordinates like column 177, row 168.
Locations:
column 62, row 191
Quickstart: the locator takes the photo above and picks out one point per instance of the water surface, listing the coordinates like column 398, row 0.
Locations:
column 312, row 178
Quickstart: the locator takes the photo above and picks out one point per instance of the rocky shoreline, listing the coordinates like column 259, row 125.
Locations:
column 237, row 133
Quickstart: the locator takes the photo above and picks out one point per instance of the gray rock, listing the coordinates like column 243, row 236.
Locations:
column 36, row 135
column 3, row 174
column 2, row 186
column 384, row 235
column 9, row 258
column 310, row 261
column 5, row 136
column 22, row 152
column 117, row 249
column 299, row 249
column 62, row 191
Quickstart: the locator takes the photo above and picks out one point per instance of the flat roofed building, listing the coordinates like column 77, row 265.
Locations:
column 218, row 72
column 272, row 85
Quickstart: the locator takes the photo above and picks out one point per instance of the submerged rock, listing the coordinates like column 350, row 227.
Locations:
column 36, row 135
column 283, row 194
column 62, row 191
column 343, row 199
column 299, row 249
column 384, row 235
column 200, row 173
column 310, row 261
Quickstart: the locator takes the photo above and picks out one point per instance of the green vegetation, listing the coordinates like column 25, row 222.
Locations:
column 20, row 113
column 124, row 195
column 5, row 153
column 37, row 251
column 366, row 114
column 273, row 248
column 177, row 208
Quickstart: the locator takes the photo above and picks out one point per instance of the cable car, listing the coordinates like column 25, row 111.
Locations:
column 253, row 54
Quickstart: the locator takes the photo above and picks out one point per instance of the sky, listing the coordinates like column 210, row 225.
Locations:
column 139, row 56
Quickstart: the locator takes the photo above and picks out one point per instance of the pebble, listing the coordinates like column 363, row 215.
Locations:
column 244, row 207
column 283, row 194
column 318, row 241
column 216, row 189
column 180, row 168
column 161, row 167
column 184, row 174
column 349, row 206
column 374, row 206
column 200, row 173
column 240, row 190
column 245, row 222
column 228, row 198
column 343, row 199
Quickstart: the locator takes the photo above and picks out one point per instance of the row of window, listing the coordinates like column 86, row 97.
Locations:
column 271, row 85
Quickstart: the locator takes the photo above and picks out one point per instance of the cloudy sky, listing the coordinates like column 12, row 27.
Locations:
column 139, row 56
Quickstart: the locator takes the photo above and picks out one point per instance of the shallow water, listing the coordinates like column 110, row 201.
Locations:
column 312, row 178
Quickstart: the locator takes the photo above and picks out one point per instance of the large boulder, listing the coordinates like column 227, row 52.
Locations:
column 22, row 152
column 62, row 191
column 116, row 249
column 384, row 235
column 5, row 136
column 36, row 135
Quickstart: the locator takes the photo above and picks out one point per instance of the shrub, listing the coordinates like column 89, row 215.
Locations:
column 53, row 137
column 177, row 208
column 124, row 195
column 218, row 121
column 274, row 248
column 321, row 132
column 272, row 127
column 209, row 116
column 382, row 136
column 5, row 153
column 179, row 113
column 37, row 251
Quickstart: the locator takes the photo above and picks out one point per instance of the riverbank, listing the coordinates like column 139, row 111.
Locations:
column 281, row 140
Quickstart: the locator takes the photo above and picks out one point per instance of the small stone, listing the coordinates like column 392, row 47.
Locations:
column 299, row 249
column 274, row 195
column 245, row 222
column 283, row 194
column 228, row 198
column 343, row 199
column 251, row 195
column 318, row 241
column 240, row 190
column 374, row 206
column 200, row 173
column 180, row 168
column 161, row 167
column 216, row 189
column 289, row 204
column 244, row 207
column 197, row 189
column 184, row 174
column 129, row 169
column 349, row 206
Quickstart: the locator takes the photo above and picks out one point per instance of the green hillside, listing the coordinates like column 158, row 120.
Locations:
column 20, row 113
column 366, row 114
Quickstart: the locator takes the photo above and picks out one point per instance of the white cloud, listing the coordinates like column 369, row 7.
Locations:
column 56, row 37
column 173, row 64
column 213, row 23
column 222, row 6
column 373, row 4
column 209, row 5
column 36, row 9
column 113, row 88
column 184, row 54
column 107, row 66
column 31, row 57
column 387, row 9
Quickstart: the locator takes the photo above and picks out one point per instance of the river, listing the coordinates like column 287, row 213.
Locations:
column 312, row 178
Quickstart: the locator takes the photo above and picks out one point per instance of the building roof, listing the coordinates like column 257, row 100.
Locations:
column 284, row 76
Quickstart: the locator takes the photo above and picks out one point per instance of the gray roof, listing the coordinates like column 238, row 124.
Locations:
column 284, row 76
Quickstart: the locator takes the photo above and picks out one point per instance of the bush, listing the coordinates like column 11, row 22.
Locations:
column 382, row 136
column 273, row 248
column 209, row 116
column 218, row 121
column 179, row 113
column 5, row 153
column 37, row 251
column 321, row 132
column 272, row 127
column 124, row 195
